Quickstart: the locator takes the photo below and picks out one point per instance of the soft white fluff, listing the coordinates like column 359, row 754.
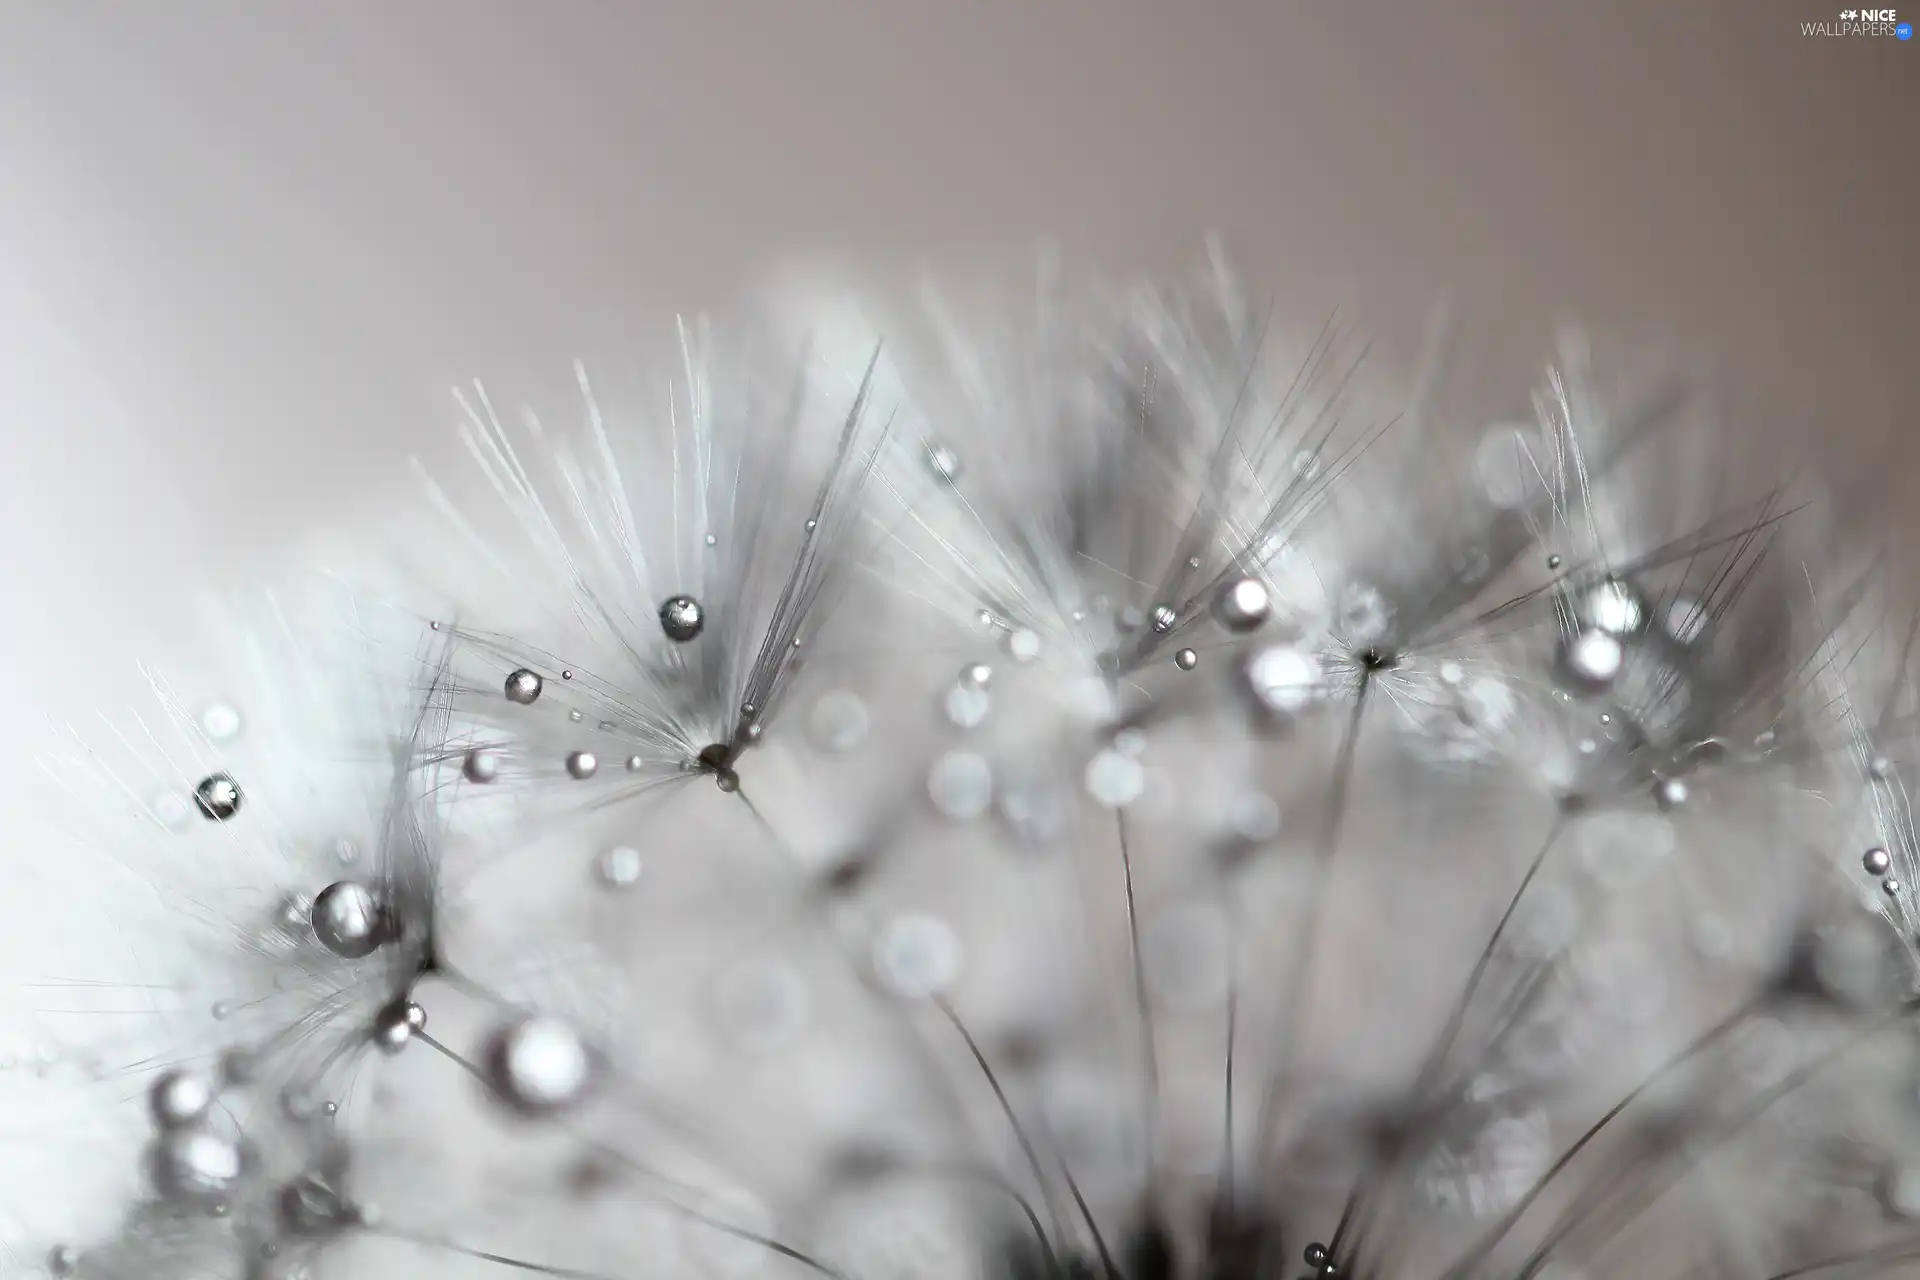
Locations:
column 971, row 895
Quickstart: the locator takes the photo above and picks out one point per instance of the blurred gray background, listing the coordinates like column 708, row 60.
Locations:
column 246, row 247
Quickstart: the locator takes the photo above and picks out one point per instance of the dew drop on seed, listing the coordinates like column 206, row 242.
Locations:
column 1186, row 659
column 481, row 765
column 348, row 920
column 682, row 618
column 195, row 1167
column 839, row 721
column 523, row 687
column 397, row 1024
column 170, row 811
column 1612, row 607
column 538, row 1065
column 619, row 867
column 217, row 797
column 1508, row 474
column 966, row 705
column 220, row 721
column 1023, row 645
column 1115, row 778
column 1594, row 658
column 1242, row 605
column 180, row 1098
column 944, row 461
column 1284, row 678
column 1254, row 817
column 961, row 785
column 916, row 956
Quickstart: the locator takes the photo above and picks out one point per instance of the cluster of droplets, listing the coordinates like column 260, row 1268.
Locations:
column 1629, row 670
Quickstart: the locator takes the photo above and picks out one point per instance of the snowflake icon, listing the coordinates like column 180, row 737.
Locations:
column 1848, row 15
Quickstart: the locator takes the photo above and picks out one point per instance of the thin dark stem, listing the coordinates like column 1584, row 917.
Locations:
column 497, row 1259
column 454, row 1058
column 892, row 1012
column 685, row 1211
column 1300, row 977
column 461, row 982
column 1027, row 1148
column 1499, row 1231
column 1901, row 1251
column 1227, row 1172
column 1361, row 1200
column 1750, row 1112
column 1150, row 1042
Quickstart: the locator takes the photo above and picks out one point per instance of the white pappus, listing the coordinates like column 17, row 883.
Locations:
column 669, row 566
column 249, row 888
column 1292, row 821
